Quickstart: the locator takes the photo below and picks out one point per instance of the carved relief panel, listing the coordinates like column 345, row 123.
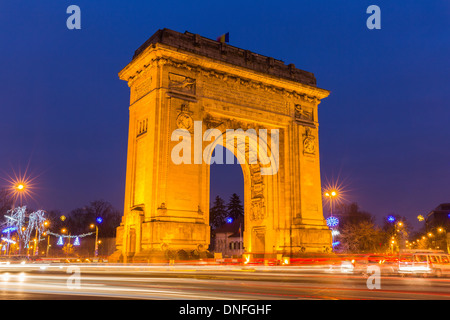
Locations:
column 258, row 209
column 184, row 118
column 181, row 84
column 304, row 114
column 309, row 143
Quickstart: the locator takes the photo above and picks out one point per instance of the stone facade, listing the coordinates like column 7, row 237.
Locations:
column 176, row 79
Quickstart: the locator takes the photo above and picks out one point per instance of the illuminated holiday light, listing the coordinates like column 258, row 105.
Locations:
column 76, row 242
column 335, row 233
column 9, row 229
column 60, row 242
column 334, row 244
column 332, row 221
column 17, row 221
column 229, row 220
column 68, row 236
column 391, row 218
column 99, row 220
column 8, row 240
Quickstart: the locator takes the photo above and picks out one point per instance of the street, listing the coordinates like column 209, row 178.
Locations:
column 197, row 282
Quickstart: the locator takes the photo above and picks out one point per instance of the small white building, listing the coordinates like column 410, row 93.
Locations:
column 229, row 239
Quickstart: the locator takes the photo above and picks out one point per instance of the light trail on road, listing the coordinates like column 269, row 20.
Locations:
column 184, row 282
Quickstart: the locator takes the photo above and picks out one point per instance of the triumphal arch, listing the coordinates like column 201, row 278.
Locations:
column 189, row 94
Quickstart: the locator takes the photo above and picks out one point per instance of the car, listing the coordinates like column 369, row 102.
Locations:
column 388, row 264
column 424, row 263
column 15, row 260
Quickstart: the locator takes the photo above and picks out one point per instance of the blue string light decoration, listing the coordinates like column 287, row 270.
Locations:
column 9, row 230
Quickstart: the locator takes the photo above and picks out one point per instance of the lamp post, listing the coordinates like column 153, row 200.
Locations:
column 331, row 195
column 395, row 237
column 99, row 220
column 332, row 222
column 48, row 245
column 441, row 230
column 20, row 190
column 67, row 245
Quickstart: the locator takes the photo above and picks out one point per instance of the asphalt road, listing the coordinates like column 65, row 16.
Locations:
column 91, row 281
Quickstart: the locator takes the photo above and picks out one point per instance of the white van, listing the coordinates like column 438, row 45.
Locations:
column 424, row 262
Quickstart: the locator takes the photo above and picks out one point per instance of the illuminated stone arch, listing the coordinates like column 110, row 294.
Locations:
column 189, row 83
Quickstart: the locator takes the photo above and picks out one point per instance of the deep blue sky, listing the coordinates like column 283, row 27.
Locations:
column 384, row 129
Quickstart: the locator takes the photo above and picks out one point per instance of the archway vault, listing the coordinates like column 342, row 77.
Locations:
column 186, row 92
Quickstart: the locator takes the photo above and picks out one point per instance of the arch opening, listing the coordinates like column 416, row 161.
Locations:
column 226, row 188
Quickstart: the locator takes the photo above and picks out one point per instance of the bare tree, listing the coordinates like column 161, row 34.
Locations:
column 6, row 201
column 361, row 237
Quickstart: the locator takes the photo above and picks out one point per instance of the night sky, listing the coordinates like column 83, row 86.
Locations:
column 384, row 129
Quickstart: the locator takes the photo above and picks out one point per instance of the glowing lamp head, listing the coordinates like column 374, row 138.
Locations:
column 333, row 193
column 20, row 187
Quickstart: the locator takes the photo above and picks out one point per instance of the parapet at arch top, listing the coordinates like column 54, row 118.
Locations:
column 197, row 44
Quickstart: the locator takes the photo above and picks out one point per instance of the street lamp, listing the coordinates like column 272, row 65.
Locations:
column 443, row 230
column 20, row 190
column 46, row 224
column 331, row 195
column 99, row 220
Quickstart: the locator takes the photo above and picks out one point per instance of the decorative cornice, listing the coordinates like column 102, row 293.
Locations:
column 225, row 76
